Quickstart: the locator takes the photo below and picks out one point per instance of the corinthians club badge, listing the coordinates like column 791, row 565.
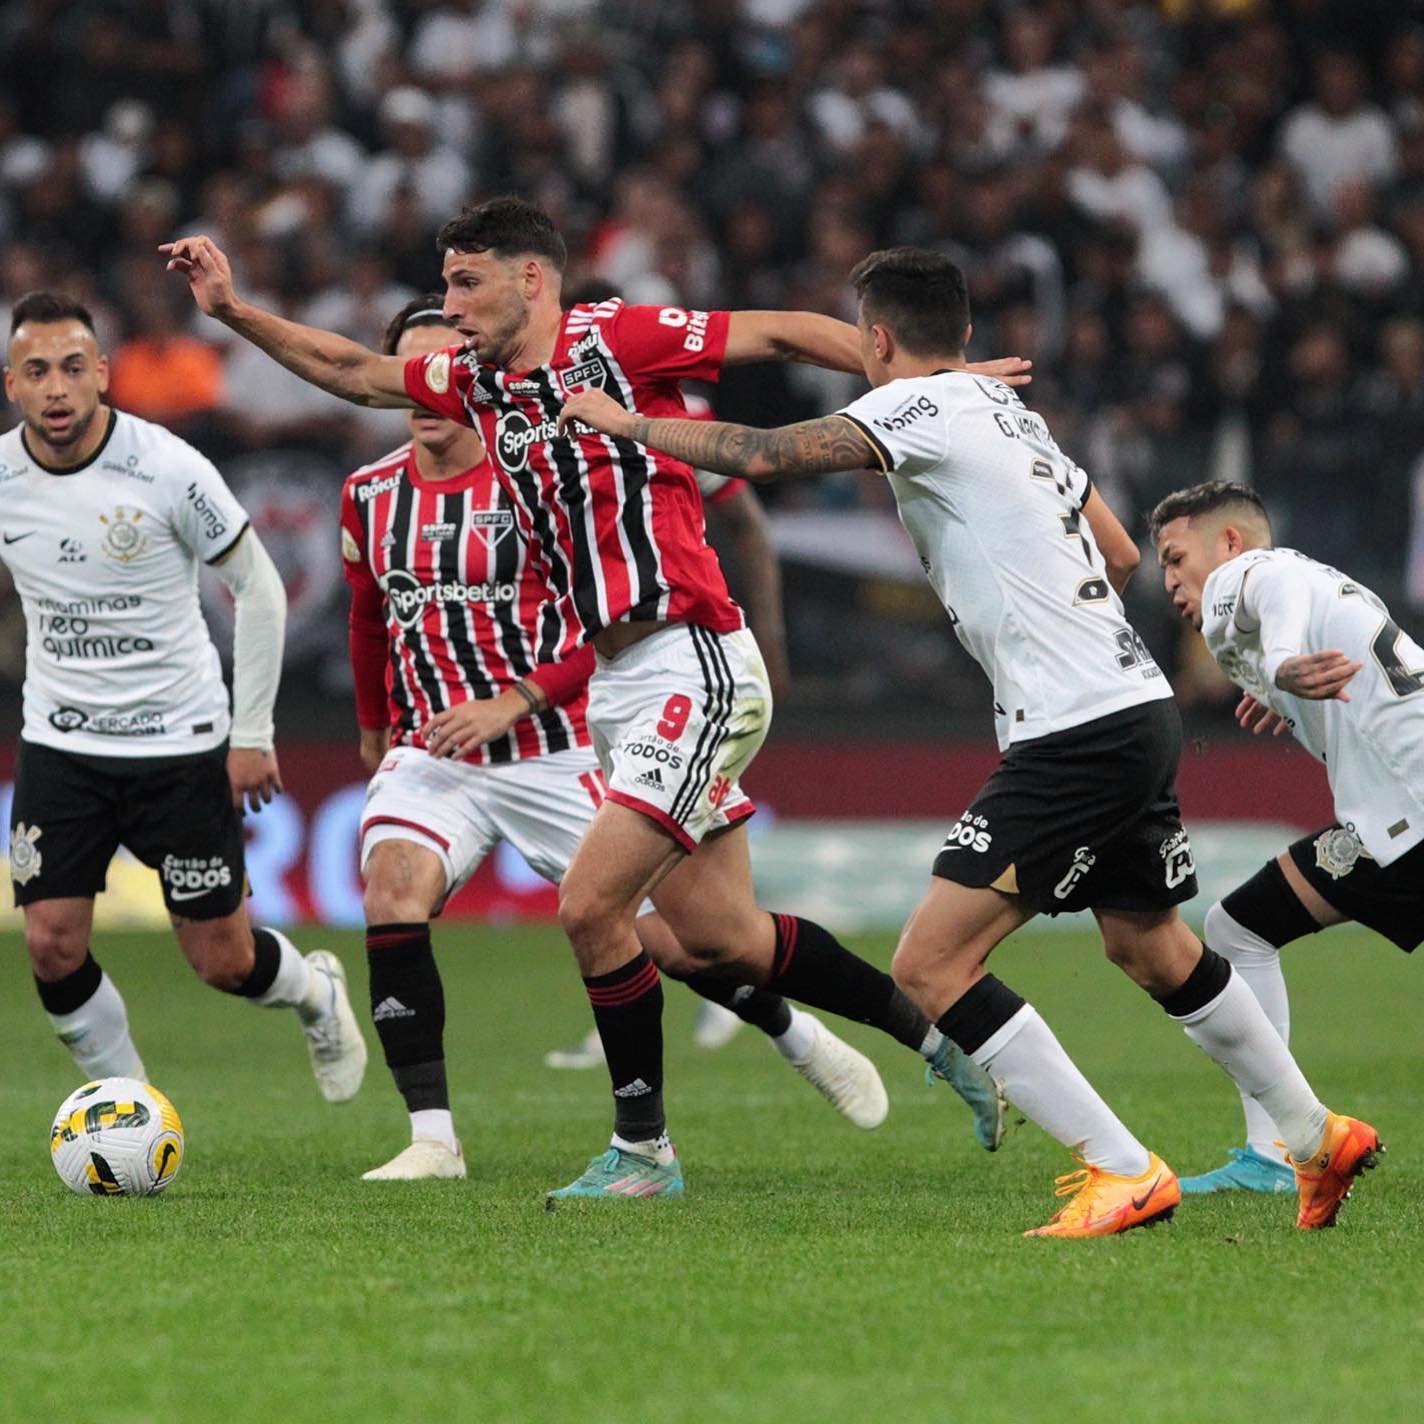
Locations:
column 124, row 541
column 1337, row 850
column 25, row 859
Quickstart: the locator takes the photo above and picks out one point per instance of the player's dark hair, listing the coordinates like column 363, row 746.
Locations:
column 1207, row 498
column 46, row 307
column 419, row 311
column 920, row 295
column 507, row 227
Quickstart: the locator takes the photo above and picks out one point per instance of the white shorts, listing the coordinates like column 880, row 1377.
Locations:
column 540, row 805
column 676, row 720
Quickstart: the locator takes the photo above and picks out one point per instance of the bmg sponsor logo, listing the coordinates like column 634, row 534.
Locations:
column 209, row 516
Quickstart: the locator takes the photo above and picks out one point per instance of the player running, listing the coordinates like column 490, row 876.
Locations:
column 127, row 737
column 1294, row 635
column 446, row 599
column 1082, row 812
column 679, row 701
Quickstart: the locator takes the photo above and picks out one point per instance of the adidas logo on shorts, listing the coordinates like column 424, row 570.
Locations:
column 652, row 779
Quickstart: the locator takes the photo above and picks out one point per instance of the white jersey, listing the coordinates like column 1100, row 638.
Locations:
column 1267, row 605
column 118, row 661
column 993, row 507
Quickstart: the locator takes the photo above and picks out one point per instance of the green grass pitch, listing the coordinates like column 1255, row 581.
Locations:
column 812, row 1273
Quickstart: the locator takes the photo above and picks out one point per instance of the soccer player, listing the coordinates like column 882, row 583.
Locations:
column 1082, row 812
column 446, row 603
column 127, row 737
column 679, row 701
column 1315, row 652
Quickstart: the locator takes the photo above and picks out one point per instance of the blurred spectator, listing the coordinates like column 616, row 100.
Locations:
column 159, row 372
column 415, row 166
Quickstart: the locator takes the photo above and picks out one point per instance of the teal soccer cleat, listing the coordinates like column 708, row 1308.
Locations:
column 1247, row 1171
column 617, row 1173
column 974, row 1084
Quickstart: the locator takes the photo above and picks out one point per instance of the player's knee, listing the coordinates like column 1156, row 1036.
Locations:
column 588, row 915
column 912, row 967
column 386, row 904
column 56, row 950
column 220, row 952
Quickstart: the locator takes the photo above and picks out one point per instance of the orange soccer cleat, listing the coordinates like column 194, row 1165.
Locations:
column 1104, row 1203
column 1349, row 1148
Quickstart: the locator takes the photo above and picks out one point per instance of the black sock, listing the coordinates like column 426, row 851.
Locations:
column 814, row 968
column 64, row 996
column 628, row 1009
column 1199, row 988
column 266, row 960
column 408, row 1008
column 768, row 1012
column 979, row 1013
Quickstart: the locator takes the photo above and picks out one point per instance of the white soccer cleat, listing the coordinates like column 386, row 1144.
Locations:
column 424, row 1158
column 716, row 1026
column 587, row 1053
column 847, row 1079
column 338, row 1052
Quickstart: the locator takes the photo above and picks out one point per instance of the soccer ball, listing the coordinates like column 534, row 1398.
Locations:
column 116, row 1137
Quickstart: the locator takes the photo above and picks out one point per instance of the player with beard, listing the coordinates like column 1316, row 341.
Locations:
column 679, row 700
column 127, row 736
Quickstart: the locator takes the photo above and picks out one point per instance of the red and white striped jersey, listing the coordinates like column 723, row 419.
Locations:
column 466, row 602
column 620, row 526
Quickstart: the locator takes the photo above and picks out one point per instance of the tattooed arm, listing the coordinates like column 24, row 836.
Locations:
column 814, row 447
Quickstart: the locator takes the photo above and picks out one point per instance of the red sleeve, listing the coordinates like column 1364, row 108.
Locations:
column 438, row 381
column 370, row 656
column 733, row 487
column 353, row 542
column 669, row 343
column 563, row 681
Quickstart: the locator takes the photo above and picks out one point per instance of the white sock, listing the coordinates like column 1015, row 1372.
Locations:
column 1258, row 962
column 660, row 1149
column 1040, row 1079
column 933, row 1039
column 438, row 1124
column 295, row 986
column 97, row 1035
column 796, row 1043
column 1233, row 1030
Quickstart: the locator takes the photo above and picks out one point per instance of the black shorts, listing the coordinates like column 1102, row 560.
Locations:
column 1082, row 819
column 71, row 812
column 1388, row 899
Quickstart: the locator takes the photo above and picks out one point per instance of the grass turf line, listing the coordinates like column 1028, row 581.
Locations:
column 813, row 1272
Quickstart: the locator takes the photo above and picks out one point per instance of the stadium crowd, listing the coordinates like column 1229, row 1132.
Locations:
column 1203, row 219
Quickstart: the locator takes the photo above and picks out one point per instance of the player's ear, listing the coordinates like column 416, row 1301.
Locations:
column 101, row 369
column 884, row 342
column 968, row 335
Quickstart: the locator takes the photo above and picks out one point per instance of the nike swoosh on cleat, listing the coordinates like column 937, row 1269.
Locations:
column 1139, row 1202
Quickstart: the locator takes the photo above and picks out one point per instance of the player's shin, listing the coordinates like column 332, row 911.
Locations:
column 814, row 968
column 766, row 1011
column 628, row 1009
column 1249, row 928
column 279, row 977
column 1224, row 1019
column 89, row 1017
column 1006, row 1037
column 408, row 1009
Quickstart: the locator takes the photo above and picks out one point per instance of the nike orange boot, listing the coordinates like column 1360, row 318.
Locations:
column 1104, row 1203
column 1350, row 1147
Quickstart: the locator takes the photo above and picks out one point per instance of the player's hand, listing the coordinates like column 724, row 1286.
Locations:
column 1317, row 676
column 209, row 276
column 375, row 743
column 460, row 729
column 1255, row 717
column 254, row 778
column 1011, row 370
column 597, row 409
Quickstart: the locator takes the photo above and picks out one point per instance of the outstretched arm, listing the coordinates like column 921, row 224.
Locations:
column 814, row 447
column 345, row 368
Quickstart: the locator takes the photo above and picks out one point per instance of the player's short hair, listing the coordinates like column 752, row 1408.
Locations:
column 507, row 227
column 920, row 295
column 1209, row 498
column 47, row 307
column 418, row 311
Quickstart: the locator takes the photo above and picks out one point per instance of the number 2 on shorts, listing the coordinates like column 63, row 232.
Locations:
column 676, row 710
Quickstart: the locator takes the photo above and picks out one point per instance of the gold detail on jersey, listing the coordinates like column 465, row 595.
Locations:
column 123, row 539
column 25, row 858
column 437, row 372
column 1337, row 850
column 350, row 549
